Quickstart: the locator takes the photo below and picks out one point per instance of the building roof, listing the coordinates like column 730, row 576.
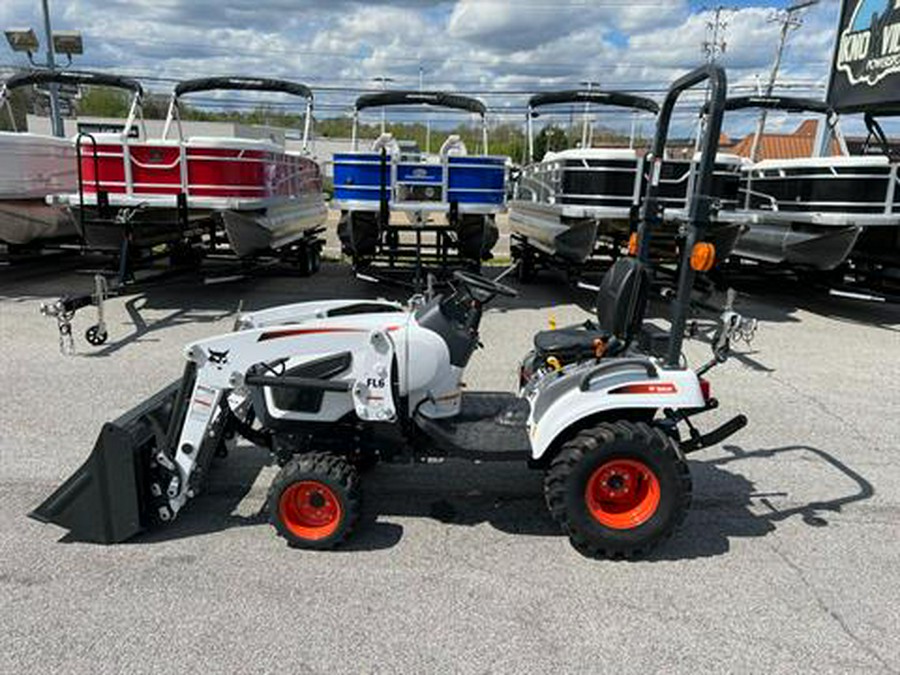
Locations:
column 795, row 145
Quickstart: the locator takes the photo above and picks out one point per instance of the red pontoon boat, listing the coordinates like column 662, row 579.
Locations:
column 186, row 191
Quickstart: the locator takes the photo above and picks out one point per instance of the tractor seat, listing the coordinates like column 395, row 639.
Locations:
column 620, row 310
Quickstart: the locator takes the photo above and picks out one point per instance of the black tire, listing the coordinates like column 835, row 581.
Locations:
column 598, row 452
column 95, row 336
column 315, row 259
column 329, row 489
column 526, row 272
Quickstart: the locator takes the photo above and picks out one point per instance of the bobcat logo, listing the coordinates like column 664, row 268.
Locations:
column 218, row 358
column 869, row 45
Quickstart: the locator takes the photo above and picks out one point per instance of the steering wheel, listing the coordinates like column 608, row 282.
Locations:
column 484, row 284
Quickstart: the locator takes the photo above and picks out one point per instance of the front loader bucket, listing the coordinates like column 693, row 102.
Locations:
column 107, row 500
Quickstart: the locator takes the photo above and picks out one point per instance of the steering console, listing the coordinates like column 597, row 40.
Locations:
column 484, row 288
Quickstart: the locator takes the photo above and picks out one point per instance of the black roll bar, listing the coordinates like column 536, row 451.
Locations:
column 595, row 97
column 700, row 200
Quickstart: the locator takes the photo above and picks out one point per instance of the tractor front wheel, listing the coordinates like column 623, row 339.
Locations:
column 618, row 489
column 314, row 501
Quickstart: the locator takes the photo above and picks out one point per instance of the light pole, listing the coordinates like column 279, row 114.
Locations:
column 789, row 21
column 51, row 64
column 384, row 80
column 427, row 117
column 64, row 42
column 590, row 84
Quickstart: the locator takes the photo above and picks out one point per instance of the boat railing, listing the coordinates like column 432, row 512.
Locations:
column 426, row 183
column 793, row 202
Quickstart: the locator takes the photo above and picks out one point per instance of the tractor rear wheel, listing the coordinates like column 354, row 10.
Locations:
column 618, row 489
column 314, row 501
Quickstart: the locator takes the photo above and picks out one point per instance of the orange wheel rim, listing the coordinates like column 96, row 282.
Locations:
column 310, row 510
column 622, row 494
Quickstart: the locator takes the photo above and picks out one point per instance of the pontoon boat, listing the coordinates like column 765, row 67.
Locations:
column 186, row 190
column 466, row 190
column 816, row 212
column 562, row 201
column 573, row 200
column 33, row 166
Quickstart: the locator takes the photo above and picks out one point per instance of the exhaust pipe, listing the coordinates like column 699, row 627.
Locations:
column 118, row 491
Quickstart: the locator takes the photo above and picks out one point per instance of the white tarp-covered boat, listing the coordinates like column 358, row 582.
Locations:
column 32, row 167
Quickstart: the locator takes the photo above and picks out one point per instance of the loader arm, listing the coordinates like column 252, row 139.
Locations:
column 300, row 312
column 236, row 362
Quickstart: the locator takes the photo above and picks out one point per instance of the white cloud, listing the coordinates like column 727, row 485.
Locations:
column 469, row 45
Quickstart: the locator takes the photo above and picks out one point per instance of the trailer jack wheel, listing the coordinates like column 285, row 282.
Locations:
column 618, row 489
column 96, row 336
column 314, row 501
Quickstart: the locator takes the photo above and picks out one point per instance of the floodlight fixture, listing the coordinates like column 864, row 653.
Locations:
column 22, row 40
column 67, row 42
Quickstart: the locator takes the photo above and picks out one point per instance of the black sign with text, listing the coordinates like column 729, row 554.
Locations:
column 865, row 74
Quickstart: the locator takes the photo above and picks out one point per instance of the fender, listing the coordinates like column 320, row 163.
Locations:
column 560, row 400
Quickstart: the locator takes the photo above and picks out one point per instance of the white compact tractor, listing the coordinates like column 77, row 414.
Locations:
column 331, row 386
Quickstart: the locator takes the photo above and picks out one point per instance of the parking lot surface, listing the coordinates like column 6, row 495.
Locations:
column 786, row 563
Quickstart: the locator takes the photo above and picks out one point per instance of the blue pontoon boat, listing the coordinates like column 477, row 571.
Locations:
column 462, row 190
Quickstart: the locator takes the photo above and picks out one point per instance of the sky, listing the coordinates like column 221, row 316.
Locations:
column 496, row 49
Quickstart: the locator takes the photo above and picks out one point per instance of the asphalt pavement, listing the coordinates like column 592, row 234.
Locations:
column 787, row 562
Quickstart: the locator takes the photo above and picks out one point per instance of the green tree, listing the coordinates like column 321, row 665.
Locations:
column 103, row 102
column 549, row 139
column 19, row 104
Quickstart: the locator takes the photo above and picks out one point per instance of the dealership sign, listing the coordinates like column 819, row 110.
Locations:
column 866, row 69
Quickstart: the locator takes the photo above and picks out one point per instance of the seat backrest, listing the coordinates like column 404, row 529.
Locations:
column 388, row 142
column 622, row 298
column 454, row 146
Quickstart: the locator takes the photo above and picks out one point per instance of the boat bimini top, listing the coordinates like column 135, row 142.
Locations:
column 72, row 78
column 593, row 97
column 437, row 99
column 238, row 84
column 790, row 104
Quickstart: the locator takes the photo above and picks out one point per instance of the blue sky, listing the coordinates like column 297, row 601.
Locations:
column 492, row 48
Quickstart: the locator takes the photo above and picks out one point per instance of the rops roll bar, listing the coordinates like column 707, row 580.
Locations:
column 700, row 200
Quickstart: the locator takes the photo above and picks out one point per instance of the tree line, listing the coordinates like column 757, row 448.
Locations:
column 505, row 138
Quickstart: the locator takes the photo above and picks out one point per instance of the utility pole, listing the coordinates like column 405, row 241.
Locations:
column 590, row 84
column 384, row 80
column 789, row 20
column 712, row 48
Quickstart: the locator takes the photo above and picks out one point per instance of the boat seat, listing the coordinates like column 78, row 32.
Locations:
column 620, row 309
column 455, row 146
column 387, row 142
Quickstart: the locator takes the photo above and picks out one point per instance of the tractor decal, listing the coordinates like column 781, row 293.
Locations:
column 657, row 388
column 291, row 332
